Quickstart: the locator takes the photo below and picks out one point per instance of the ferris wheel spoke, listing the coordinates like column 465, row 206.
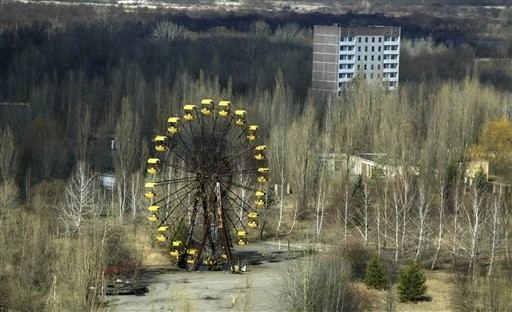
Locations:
column 176, row 191
column 236, row 200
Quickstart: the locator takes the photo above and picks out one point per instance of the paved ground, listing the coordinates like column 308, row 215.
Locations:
column 169, row 289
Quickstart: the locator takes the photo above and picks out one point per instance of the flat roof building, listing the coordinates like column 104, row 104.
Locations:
column 342, row 53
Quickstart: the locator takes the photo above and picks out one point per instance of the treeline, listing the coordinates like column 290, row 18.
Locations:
column 63, row 72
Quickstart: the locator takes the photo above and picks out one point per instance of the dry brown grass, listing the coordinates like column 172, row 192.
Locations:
column 439, row 289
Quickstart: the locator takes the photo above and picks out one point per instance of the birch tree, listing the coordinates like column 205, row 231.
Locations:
column 8, row 155
column 303, row 159
column 362, row 209
column 497, row 222
column 80, row 198
column 423, row 205
column 281, row 116
column 128, row 153
column 474, row 212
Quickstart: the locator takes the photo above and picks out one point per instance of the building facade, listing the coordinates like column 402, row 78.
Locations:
column 343, row 53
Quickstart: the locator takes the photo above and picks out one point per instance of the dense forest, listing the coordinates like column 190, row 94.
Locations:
column 70, row 85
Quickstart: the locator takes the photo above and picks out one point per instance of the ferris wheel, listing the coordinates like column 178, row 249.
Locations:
column 205, row 184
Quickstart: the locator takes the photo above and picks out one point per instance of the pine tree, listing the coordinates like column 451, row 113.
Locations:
column 411, row 283
column 375, row 276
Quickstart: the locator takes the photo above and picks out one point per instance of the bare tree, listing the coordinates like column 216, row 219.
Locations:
column 81, row 198
column 440, row 222
column 423, row 205
column 8, row 155
column 303, row 161
column 321, row 195
column 280, row 116
column 497, row 222
column 166, row 30
column 362, row 210
column 128, row 155
column 475, row 217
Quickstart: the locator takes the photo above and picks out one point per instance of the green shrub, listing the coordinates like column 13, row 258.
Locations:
column 375, row 276
column 411, row 283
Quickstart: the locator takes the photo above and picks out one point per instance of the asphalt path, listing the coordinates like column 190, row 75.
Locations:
column 167, row 288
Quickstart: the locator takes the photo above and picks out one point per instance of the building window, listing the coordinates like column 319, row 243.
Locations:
column 378, row 66
column 364, row 66
column 358, row 49
column 366, row 57
column 358, row 67
column 372, row 57
column 365, row 49
column 373, row 39
column 371, row 67
column 359, row 39
column 379, row 49
column 380, row 39
column 359, row 57
column 378, row 57
column 366, row 39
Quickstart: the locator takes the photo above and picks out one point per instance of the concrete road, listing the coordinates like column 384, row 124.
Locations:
column 257, row 289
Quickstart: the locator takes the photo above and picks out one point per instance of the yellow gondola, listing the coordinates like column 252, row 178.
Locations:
column 224, row 108
column 191, row 251
column 177, row 243
column 153, row 208
column 153, row 165
column 240, row 117
column 206, row 106
column 209, row 262
column 260, row 155
column 173, row 125
column 251, row 135
column 150, row 193
column 160, row 143
column 260, row 193
column 189, row 112
column 262, row 179
column 253, row 214
column 259, row 202
column 162, row 238
column 175, row 253
column 242, row 239
column 163, row 228
column 253, row 224
column 153, row 218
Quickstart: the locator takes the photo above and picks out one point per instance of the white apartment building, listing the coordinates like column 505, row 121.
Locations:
column 342, row 53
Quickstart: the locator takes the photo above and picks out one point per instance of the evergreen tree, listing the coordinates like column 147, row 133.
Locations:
column 375, row 276
column 411, row 283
